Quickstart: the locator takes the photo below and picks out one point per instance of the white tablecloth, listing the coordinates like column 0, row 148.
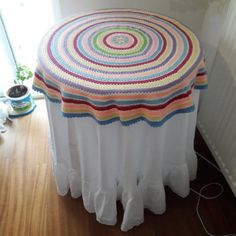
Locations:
column 129, row 163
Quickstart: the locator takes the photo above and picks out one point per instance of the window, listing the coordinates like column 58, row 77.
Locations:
column 25, row 21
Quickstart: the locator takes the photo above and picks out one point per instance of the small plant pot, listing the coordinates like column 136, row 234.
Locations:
column 20, row 100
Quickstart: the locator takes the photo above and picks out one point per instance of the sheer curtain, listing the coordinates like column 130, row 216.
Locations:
column 6, row 60
column 217, row 115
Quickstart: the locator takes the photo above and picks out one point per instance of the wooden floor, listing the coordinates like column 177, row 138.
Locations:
column 29, row 204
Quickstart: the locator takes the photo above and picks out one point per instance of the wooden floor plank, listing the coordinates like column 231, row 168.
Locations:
column 29, row 204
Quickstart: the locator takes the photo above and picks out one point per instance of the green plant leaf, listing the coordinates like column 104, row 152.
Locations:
column 23, row 73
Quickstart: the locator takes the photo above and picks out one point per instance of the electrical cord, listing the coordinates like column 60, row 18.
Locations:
column 200, row 195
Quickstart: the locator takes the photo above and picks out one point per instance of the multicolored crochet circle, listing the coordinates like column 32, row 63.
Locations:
column 120, row 50
column 120, row 64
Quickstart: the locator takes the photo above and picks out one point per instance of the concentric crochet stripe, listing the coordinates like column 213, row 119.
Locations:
column 125, row 65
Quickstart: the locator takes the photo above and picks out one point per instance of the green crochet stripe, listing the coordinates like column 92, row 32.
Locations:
column 140, row 48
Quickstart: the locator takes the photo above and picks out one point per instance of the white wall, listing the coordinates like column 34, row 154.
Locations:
column 217, row 113
column 190, row 12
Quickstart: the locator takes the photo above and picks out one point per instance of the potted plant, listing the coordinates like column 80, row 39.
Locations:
column 19, row 94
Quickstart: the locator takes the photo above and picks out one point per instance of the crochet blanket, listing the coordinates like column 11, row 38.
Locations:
column 121, row 64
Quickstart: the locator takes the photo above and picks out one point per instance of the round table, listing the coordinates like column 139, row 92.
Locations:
column 121, row 93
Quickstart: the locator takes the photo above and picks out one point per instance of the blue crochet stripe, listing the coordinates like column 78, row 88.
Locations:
column 128, row 102
column 130, row 122
column 205, row 86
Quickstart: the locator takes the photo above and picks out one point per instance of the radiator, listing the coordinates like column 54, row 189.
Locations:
column 217, row 123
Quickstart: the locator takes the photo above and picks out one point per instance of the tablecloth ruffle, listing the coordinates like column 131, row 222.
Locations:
column 103, row 201
column 125, row 65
